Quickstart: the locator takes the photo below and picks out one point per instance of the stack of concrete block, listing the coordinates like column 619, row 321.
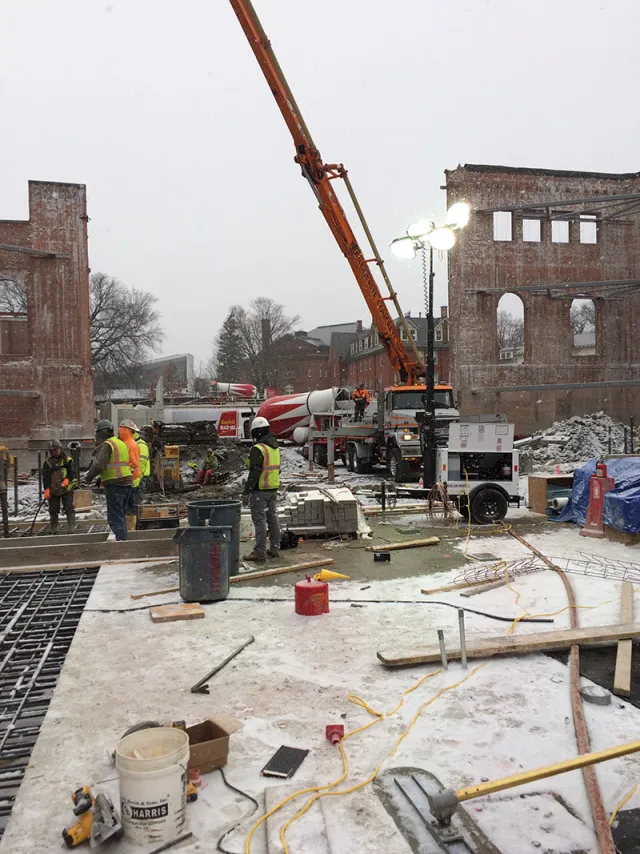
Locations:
column 330, row 511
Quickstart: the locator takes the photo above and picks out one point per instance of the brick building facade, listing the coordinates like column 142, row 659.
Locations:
column 360, row 357
column 46, row 386
column 299, row 363
column 547, row 237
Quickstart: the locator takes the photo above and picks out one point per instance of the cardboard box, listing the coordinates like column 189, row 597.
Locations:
column 209, row 742
column 82, row 498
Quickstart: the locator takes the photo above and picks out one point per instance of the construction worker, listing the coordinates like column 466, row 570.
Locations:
column 210, row 464
column 362, row 399
column 5, row 463
column 126, row 433
column 145, row 462
column 261, row 490
column 59, row 480
column 111, row 461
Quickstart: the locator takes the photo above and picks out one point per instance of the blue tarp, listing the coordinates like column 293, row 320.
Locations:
column 621, row 505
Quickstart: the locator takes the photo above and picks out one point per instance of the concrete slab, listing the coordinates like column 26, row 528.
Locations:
column 34, row 554
column 508, row 716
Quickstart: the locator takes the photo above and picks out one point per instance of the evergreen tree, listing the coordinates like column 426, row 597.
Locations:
column 228, row 352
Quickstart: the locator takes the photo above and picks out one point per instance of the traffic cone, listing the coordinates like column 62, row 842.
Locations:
column 328, row 575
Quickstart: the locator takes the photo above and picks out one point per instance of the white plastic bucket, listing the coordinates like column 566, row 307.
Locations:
column 153, row 784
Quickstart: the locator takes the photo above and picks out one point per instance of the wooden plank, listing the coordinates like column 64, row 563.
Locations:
column 155, row 592
column 92, row 554
column 171, row 613
column 408, row 544
column 462, row 585
column 53, row 540
column 622, row 677
column 516, row 644
column 84, row 565
column 265, row 573
column 501, row 582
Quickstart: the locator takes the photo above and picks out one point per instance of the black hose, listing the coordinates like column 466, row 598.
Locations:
column 256, row 806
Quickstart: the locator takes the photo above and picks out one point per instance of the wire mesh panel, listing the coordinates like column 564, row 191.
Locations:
column 39, row 614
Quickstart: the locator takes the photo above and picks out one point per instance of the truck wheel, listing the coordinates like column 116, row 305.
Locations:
column 363, row 467
column 397, row 468
column 488, row 506
column 320, row 455
column 351, row 458
column 463, row 507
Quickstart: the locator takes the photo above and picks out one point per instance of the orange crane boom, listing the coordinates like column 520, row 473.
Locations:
column 320, row 175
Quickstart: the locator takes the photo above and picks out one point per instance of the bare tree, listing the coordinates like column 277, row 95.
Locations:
column 13, row 296
column 260, row 328
column 510, row 330
column 582, row 316
column 125, row 327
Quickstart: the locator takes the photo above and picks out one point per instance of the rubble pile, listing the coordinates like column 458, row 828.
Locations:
column 573, row 442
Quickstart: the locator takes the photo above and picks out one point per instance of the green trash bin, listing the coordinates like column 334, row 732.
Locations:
column 219, row 512
column 205, row 558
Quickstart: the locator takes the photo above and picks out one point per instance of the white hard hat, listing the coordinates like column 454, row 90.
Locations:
column 129, row 424
column 259, row 423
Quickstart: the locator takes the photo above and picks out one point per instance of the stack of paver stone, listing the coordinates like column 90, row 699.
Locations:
column 326, row 511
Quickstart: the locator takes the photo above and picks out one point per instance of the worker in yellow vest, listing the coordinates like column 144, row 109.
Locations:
column 261, row 490
column 59, row 482
column 145, row 462
column 111, row 462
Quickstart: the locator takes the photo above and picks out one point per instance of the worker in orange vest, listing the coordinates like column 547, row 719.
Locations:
column 362, row 399
column 126, row 434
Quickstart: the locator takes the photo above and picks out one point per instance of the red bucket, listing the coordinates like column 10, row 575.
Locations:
column 312, row 597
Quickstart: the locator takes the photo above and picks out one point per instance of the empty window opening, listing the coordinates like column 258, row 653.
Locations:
column 559, row 231
column 582, row 318
column 14, row 326
column 531, row 232
column 588, row 229
column 510, row 329
column 502, row 225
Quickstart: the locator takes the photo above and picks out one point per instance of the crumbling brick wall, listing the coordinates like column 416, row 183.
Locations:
column 554, row 382
column 49, row 391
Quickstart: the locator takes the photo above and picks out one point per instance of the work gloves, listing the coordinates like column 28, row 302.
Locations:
column 47, row 494
column 65, row 482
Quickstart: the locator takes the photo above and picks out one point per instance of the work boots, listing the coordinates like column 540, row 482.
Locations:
column 71, row 522
column 53, row 524
column 254, row 556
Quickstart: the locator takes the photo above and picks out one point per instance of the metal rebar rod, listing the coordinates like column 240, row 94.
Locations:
column 15, row 486
column 443, row 651
column 463, row 639
column 39, row 476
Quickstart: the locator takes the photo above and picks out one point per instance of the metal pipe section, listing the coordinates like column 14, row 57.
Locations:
column 443, row 651
column 463, row 639
column 15, row 486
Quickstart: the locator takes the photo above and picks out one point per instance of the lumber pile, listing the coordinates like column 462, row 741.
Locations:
column 326, row 511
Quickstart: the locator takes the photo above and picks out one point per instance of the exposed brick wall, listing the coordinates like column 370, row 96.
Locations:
column 299, row 365
column 53, row 384
column 478, row 262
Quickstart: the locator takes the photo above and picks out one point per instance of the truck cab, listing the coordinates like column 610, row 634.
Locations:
column 399, row 422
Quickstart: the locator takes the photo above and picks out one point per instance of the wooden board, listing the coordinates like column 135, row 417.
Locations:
column 265, row 573
column 408, row 544
column 171, row 613
column 500, row 582
column 622, row 677
column 31, row 553
column 515, row 644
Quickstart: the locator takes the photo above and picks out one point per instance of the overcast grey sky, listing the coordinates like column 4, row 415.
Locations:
column 161, row 110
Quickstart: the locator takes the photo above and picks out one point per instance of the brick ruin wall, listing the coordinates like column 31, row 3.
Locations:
column 48, row 390
column 482, row 269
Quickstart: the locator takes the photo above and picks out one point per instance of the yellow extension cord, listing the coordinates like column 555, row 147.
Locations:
column 325, row 791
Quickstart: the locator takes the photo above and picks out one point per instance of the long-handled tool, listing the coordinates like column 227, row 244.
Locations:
column 36, row 516
column 201, row 687
column 444, row 804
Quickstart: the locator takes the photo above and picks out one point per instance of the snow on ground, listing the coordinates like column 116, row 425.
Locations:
column 512, row 714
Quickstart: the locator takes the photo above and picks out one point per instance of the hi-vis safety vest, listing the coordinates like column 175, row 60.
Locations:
column 145, row 465
column 270, row 477
column 118, row 465
column 59, row 466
